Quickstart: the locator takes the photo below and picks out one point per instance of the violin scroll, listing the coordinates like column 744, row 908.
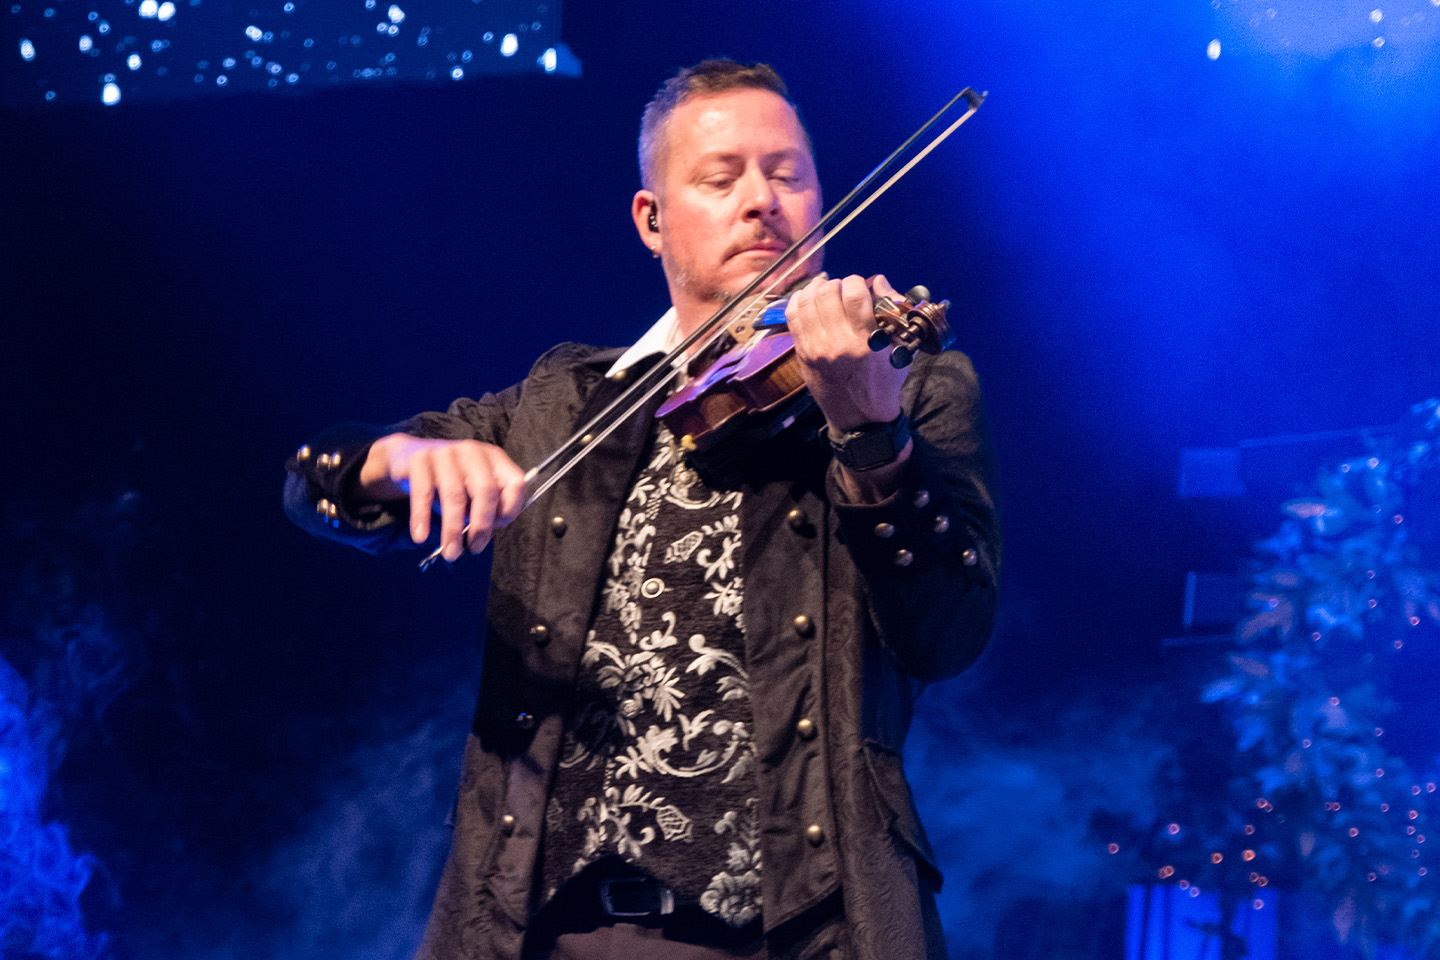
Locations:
column 911, row 323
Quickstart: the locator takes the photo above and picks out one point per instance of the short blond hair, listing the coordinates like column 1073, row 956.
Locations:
column 705, row 78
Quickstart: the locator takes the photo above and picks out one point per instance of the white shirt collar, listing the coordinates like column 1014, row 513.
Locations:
column 663, row 337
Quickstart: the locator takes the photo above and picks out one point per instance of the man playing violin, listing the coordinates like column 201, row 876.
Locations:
column 698, row 676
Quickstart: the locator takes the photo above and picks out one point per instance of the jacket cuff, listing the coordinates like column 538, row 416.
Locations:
column 917, row 527
column 320, row 493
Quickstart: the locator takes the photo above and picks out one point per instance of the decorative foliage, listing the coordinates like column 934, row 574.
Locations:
column 1341, row 596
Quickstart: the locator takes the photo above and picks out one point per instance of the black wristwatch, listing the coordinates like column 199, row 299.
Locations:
column 873, row 445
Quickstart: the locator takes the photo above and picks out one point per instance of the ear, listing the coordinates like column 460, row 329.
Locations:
column 642, row 206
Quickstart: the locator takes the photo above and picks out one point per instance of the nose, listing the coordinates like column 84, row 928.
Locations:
column 759, row 196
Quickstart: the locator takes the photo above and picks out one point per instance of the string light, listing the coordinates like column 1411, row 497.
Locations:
column 310, row 37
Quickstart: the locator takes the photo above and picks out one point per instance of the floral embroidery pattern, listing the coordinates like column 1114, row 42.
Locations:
column 734, row 893
column 658, row 765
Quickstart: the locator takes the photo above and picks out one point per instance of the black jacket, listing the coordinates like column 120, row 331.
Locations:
column 849, row 611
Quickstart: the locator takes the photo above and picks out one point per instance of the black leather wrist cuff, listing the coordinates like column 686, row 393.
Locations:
column 873, row 445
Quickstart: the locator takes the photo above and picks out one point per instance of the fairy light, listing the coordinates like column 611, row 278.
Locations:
column 311, row 41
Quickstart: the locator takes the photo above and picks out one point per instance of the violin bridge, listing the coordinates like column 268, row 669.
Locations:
column 742, row 329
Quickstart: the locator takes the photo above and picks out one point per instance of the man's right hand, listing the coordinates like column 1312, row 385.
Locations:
column 467, row 481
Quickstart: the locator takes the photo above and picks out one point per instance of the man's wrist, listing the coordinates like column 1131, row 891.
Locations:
column 870, row 445
column 876, row 485
column 373, row 481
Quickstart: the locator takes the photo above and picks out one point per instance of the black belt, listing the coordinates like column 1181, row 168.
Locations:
column 635, row 897
column 599, row 898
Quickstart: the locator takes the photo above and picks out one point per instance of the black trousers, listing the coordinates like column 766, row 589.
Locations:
column 633, row 941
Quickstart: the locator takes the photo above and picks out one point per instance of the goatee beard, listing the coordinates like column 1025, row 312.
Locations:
column 684, row 280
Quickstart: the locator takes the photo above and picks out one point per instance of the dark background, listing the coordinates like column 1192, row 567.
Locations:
column 1148, row 250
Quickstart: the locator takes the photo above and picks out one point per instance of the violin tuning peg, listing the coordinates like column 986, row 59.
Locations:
column 917, row 293
column 879, row 340
column 900, row 357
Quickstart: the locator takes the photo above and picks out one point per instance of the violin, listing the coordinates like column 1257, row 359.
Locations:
column 752, row 379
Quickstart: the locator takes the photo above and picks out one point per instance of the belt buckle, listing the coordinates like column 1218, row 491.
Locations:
column 664, row 898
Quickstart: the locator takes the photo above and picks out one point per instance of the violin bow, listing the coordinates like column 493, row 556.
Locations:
column 565, row 457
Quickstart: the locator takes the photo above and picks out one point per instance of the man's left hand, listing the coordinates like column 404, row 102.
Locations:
column 831, row 321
